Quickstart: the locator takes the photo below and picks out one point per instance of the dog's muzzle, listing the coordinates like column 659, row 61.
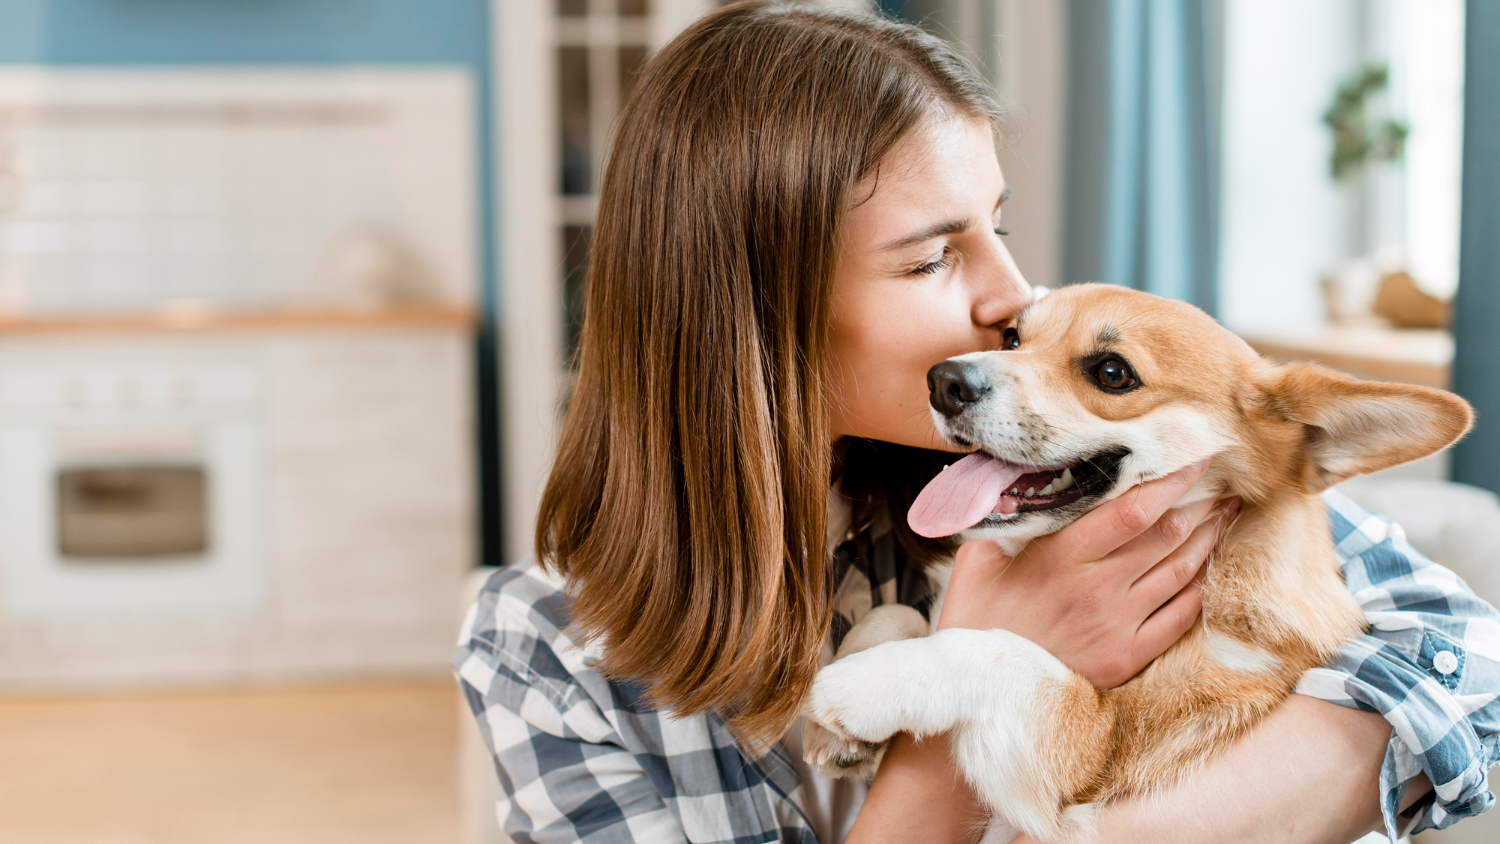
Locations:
column 956, row 385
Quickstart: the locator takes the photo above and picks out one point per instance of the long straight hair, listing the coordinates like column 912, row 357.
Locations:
column 688, row 501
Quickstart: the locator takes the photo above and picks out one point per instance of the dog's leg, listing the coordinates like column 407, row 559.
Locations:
column 840, row 756
column 1027, row 733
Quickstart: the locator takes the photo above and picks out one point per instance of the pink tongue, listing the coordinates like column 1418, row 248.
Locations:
column 962, row 495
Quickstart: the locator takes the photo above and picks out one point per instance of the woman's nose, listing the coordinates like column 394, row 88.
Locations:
column 1000, row 291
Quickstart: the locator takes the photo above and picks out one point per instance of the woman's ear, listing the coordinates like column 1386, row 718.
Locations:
column 1355, row 427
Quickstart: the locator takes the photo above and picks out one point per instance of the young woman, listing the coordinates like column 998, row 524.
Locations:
column 800, row 216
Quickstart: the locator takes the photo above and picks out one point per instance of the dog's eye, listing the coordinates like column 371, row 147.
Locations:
column 1114, row 374
column 1010, row 339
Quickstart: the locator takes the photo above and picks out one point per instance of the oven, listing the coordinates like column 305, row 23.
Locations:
column 131, row 487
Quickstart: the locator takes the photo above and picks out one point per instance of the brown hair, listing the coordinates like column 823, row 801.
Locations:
column 687, row 505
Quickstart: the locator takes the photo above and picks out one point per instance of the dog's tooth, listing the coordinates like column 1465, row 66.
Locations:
column 1047, row 490
column 1030, row 492
column 1066, row 481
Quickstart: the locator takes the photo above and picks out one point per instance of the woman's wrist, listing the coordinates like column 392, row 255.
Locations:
column 918, row 796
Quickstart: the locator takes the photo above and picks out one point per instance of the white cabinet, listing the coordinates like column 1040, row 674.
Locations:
column 341, row 492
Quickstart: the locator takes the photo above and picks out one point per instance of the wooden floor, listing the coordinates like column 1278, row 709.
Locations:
column 366, row 762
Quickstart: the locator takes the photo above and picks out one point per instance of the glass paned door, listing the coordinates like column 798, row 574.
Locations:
column 601, row 47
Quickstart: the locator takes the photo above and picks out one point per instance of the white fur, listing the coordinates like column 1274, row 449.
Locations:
column 1238, row 656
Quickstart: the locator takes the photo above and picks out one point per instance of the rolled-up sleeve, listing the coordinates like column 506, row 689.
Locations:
column 1430, row 664
column 563, row 774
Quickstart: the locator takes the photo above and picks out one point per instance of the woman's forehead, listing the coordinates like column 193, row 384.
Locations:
column 941, row 168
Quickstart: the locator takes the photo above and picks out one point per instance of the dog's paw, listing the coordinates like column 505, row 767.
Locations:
column 840, row 756
column 850, row 700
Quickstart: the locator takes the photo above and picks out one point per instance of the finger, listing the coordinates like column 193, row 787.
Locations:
column 1116, row 522
column 1171, row 531
column 1164, row 627
column 1182, row 565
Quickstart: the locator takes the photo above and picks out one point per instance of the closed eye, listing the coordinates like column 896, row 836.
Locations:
column 934, row 266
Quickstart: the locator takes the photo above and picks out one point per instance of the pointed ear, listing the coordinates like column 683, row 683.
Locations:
column 1354, row 427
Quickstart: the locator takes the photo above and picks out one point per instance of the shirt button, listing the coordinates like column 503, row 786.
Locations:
column 1445, row 662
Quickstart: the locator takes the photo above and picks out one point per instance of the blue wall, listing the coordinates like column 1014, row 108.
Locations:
column 293, row 32
column 245, row 32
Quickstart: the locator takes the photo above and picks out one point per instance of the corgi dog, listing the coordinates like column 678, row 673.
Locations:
column 1096, row 389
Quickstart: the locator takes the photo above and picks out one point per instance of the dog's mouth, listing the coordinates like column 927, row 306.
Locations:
column 982, row 489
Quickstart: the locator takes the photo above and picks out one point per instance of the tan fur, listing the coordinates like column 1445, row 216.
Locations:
column 1274, row 582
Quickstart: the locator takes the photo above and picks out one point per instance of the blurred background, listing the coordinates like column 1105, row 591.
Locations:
column 289, row 291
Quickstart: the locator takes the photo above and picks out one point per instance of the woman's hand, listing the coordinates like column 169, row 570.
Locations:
column 1106, row 594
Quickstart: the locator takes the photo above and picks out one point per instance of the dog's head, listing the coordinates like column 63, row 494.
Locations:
column 1098, row 388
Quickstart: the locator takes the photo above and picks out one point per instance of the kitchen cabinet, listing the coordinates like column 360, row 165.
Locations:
column 351, row 512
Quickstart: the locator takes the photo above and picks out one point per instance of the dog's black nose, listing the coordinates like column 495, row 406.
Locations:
column 956, row 384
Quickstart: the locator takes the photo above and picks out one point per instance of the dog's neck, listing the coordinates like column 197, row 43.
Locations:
column 1274, row 577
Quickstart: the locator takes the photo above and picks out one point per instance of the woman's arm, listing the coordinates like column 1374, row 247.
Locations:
column 918, row 796
column 1310, row 772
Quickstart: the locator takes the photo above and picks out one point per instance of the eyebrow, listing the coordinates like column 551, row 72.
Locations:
column 947, row 227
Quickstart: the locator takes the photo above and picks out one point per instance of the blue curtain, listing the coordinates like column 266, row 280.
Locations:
column 1476, row 315
column 1143, row 148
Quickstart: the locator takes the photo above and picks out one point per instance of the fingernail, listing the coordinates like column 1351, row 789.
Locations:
column 1230, row 506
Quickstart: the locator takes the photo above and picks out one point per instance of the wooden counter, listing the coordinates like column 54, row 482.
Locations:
column 201, row 319
column 1413, row 356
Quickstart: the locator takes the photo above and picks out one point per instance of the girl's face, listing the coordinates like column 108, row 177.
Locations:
column 922, row 276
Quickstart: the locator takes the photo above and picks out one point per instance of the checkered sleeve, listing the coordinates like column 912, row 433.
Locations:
column 1430, row 664
column 564, row 775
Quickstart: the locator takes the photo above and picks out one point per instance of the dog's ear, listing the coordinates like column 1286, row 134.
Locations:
column 1353, row 427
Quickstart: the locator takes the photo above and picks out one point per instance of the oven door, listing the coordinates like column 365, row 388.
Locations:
column 113, row 508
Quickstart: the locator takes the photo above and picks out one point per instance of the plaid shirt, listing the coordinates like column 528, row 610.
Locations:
column 582, row 758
